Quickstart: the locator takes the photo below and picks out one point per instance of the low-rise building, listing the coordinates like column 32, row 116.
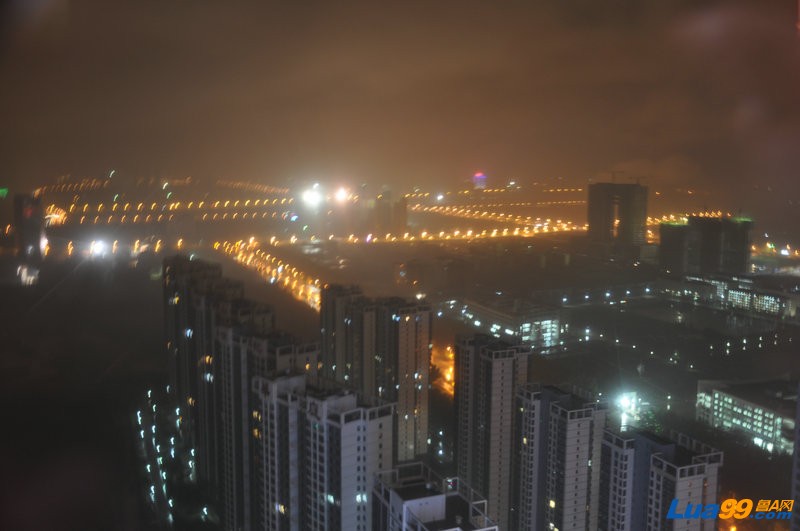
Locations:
column 763, row 411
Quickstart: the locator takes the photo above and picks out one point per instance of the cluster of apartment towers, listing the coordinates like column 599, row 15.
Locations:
column 334, row 435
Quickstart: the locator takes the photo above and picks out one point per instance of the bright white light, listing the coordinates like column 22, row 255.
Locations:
column 97, row 248
column 312, row 197
column 341, row 195
column 440, row 197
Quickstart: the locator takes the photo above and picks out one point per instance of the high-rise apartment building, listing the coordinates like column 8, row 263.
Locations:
column 194, row 291
column 315, row 454
column 618, row 213
column 335, row 301
column 381, row 348
column 556, row 467
column 689, row 475
column 706, row 245
column 217, row 342
column 242, row 355
column 488, row 372
column 640, row 471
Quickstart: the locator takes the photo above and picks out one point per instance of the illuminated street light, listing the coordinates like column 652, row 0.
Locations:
column 97, row 248
column 341, row 195
column 312, row 197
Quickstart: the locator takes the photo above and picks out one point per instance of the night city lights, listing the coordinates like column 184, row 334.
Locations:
column 400, row 267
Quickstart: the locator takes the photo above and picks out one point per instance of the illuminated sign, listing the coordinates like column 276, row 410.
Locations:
column 732, row 508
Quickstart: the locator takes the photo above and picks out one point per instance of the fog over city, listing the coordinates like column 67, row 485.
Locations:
column 371, row 266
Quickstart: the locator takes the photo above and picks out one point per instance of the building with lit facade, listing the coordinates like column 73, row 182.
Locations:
column 636, row 466
column 488, row 372
column 315, row 453
column 617, row 213
column 381, row 349
column 534, row 325
column 411, row 497
column 756, row 295
column 217, row 342
column 557, row 445
column 194, row 291
column 764, row 412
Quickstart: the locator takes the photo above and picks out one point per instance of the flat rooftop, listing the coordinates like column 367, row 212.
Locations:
column 777, row 395
column 456, row 508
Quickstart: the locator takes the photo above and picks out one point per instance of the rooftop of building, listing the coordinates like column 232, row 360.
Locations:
column 509, row 307
column 457, row 509
column 778, row 395
column 414, row 481
column 653, row 437
column 783, row 283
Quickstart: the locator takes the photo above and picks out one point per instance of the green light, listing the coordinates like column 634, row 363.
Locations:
column 3, row 193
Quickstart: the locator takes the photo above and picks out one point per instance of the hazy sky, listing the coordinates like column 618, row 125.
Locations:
column 411, row 93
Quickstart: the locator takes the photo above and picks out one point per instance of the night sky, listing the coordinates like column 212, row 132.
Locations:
column 693, row 93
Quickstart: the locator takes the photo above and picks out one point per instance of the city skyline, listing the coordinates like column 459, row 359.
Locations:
column 400, row 267
column 690, row 101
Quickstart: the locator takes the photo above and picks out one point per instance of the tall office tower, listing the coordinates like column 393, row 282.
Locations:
column 630, row 460
column 29, row 226
column 796, row 462
column 381, row 348
column 556, row 471
column 488, row 373
column 413, row 497
column 627, row 203
column 334, row 302
column 689, row 475
column 315, row 455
